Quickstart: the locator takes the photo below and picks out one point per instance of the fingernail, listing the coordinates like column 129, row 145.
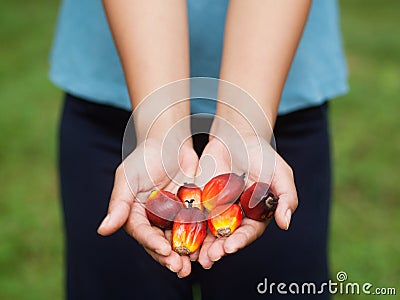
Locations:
column 160, row 252
column 207, row 268
column 164, row 250
column 217, row 259
column 230, row 250
column 105, row 222
column 170, row 268
column 179, row 276
column 288, row 216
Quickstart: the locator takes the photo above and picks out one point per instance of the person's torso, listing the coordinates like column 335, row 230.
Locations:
column 84, row 61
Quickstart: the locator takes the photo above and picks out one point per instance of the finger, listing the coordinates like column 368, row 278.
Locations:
column 284, row 187
column 284, row 211
column 187, row 163
column 195, row 255
column 119, row 207
column 216, row 249
column 203, row 259
column 247, row 233
column 185, row 260
column 186, row 267
column 173, row 261
column 214, row 160
column 149, row 236
column 181, row 178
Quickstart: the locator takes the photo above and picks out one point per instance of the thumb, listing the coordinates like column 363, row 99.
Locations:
column 120, row 205
column 284, row 186
column 283, row 214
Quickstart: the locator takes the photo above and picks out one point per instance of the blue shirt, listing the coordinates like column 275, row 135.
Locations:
column 85, row 63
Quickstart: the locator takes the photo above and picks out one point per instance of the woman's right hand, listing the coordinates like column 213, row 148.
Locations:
column 141, row 172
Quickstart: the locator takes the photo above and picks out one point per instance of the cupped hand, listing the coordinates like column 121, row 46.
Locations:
column 259, row 161
column 152, row 165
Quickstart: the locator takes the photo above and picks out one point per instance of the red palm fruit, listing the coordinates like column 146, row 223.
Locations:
column 223, row 220
column 258, row 202
column 190, row 194
column 162, row 207
column 188, row 231
column 222, row 189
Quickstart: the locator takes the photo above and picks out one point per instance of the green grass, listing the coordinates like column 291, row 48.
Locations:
column 366, row 219
column 366, row 143
column 30, row 223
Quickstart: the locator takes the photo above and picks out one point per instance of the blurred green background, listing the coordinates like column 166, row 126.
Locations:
column 365, row 224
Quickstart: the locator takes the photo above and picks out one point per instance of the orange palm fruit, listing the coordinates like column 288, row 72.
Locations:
column 222, row 189
column 162, row 207
column 188, row 231
column 190, row 195
column 258, row 202
column 223, row 220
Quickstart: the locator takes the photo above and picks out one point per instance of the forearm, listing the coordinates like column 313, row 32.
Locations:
column 152, row 41
column 261, row 38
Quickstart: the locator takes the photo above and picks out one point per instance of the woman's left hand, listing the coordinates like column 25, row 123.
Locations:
column 259, row 166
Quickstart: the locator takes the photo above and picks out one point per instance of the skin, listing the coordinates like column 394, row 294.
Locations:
column 261, row 38
column 140, row 29
column 260, row 41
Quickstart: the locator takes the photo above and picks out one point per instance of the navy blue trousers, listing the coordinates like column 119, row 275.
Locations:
column 117, row 267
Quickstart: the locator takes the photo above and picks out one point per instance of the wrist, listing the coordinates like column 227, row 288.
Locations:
column 249, row 114
column 166, row 128
column 163, row 121
column 242, row 122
